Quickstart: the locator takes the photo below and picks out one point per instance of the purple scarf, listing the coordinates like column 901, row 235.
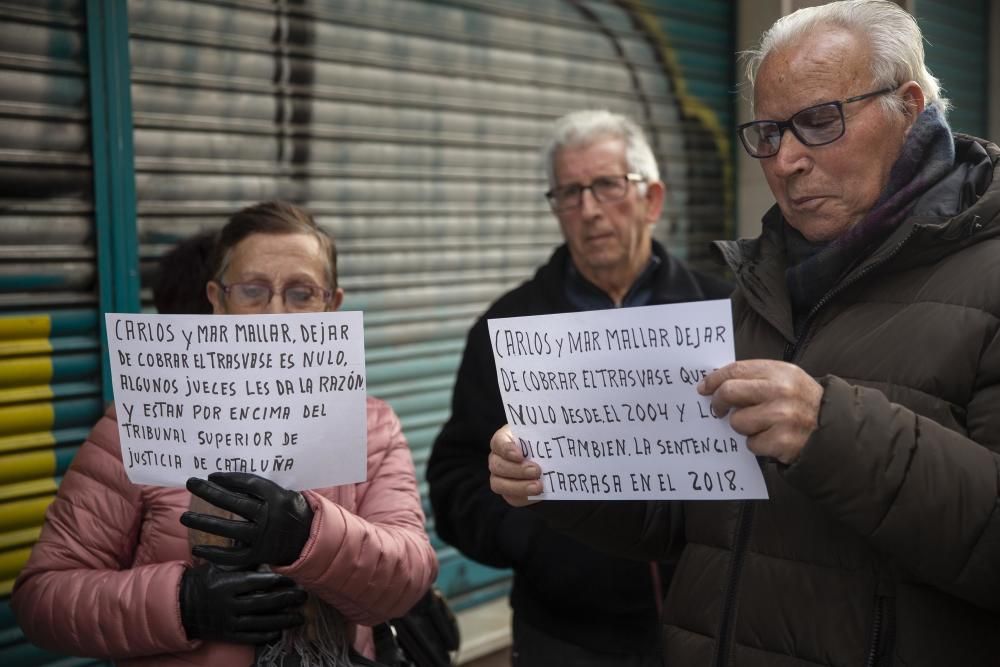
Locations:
column 928, row 154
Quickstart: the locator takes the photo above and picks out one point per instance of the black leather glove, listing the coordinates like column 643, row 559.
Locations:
column 277, row 523
column 245, row 607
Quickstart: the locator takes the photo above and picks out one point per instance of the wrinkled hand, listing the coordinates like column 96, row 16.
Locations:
column 244, row 607
column 775, row 404
column 511, row 476
column 277, row 523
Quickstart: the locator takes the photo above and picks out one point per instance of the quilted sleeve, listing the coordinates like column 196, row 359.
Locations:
column 924, row 494
column 79, row 592
column 375, row 563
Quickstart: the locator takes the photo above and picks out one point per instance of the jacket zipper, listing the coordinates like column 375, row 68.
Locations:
column 876, row 632
column 741, row 540
column 747, row 510
column 791, row 353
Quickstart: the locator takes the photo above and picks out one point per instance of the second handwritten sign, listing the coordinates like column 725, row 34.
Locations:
column 605, row 402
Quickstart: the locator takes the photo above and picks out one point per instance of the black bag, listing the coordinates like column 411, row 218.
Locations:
column 425, row 636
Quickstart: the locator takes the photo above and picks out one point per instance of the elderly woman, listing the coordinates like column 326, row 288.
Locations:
column 112, row 575
column 867, row 320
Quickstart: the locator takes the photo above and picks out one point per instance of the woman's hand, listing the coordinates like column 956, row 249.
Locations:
column 277, row 526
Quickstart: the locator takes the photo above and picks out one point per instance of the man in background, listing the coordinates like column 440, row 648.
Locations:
column 572, row 604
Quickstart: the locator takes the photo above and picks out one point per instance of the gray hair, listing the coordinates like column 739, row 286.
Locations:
column 272, row 217
column 896, row 42
column 582, row 128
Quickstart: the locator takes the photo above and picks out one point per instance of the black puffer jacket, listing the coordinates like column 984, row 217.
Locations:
column 880, row 545
column 561, row 587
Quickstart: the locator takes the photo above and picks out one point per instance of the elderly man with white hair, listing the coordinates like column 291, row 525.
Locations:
column 867, row 319
column 572, row 605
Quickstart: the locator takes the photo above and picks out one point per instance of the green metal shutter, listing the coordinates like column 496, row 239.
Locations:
column 49, row 355
column 412, row 130
column 957, row 52
column 694, row 41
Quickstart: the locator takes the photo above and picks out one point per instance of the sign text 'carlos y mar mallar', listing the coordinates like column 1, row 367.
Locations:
column 605, row 402
column 281, row 396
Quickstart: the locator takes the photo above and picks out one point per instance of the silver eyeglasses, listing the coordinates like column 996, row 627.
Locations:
column 300, row 297
column 817, row 125
column 604, row 188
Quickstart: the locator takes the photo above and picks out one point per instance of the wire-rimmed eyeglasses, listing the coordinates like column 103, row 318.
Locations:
column 817, row 125
column 300, row 297
column 604, row 188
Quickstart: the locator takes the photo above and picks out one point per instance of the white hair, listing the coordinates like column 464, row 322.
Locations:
column 897, row 45
column 582, row 128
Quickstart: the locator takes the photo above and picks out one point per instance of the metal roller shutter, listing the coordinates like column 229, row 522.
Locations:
column 50, row 391
column 957, row 52
column 412, row 130
column 693, row 42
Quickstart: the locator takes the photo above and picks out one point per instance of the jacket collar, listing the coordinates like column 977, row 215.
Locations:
column 585, row 295
column 964, row 208
column 671, row 281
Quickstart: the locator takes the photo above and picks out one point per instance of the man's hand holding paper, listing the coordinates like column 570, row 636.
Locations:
column 775, row 404
column 511, row 475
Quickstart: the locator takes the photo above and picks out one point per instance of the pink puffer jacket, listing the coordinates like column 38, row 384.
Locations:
column 104, row 578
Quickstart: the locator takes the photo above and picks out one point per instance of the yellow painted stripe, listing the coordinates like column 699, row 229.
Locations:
column 26, row 418
column 12, row 561
column 12, row 348
column 24, row 537
column 6, row 587
column 31, row 465
column 22, row 441
column 25, row 326
column 34, row 487
column 40, row 392
column 25, row 371
column 23, row 513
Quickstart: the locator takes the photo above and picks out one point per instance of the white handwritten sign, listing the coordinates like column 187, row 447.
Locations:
column 282, row 396
column 605, row 402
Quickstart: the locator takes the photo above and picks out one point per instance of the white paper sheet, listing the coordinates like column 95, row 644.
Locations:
column 605, row 402
column 282, row 396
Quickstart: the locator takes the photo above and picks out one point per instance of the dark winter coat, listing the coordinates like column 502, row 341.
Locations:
column 880, row 545
column 561, row 587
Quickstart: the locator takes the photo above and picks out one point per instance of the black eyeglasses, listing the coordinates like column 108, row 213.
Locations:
column 604, row 188
column 814, row 126
column 302, row 298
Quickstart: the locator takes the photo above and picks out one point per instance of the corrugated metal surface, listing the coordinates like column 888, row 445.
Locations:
column 957, row 34
column 694, row 43
column 49, row 380
column 412, row 129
